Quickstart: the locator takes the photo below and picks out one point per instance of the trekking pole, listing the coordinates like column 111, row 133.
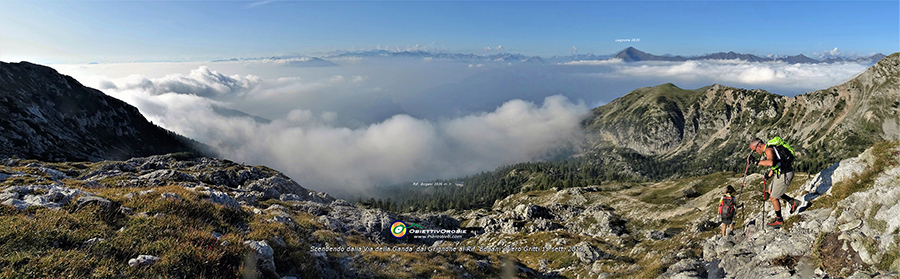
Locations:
column 762, row 206
column 742, row 187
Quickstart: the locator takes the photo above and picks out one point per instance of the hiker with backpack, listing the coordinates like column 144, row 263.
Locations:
column 779, row 157
column 727, row 209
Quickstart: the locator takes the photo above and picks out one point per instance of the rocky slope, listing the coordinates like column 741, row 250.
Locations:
column 173, row 215
column 698, row 131
column 857, row 235
column 52, row 117
column 182, row 216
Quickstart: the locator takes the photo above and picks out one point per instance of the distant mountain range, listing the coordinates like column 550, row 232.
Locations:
column 632, row 54
column 52, row 117
column 629, row 54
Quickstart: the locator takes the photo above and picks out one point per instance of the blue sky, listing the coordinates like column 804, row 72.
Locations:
column 121, row 31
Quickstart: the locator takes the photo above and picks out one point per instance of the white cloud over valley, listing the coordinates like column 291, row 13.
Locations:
column 320, row 155
column 374, row 122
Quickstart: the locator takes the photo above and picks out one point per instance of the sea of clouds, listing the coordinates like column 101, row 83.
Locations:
column 364, row 122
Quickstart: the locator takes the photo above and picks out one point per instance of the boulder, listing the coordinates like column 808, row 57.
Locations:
column 531, row 211
column 264, row 255
column 686, row 268
column 246, row 197
column 273, row 187
column 222, row 198
column 143, row 260
column 587, row 253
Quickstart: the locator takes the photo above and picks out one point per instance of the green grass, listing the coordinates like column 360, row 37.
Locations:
column 790, row 221
column 890, row 256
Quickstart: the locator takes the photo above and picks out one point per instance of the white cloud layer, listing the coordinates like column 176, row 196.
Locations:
column 610, row 61
column 321, row 155
column 733, row 72
column 311, row 140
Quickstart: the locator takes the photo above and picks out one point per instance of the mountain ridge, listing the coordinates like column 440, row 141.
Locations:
column 52, row 117
column 699, row 125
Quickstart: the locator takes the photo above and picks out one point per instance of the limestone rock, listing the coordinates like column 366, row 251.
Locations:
column 160, row 177
column 170, row 196
column 51, row 196
column 143, row 260
column 596, row 221
column 273, row 187
column 222, row 198
column 264, row 255
column 587, row 253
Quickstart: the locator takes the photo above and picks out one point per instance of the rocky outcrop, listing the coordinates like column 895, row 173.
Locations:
column 222, row 198
column 373, row 223
column 596, row 221
column 52, row 196
column 854, row 237
column 225, row 182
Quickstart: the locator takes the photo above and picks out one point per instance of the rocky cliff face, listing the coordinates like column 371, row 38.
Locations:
column 52, row 117
column 708, row 128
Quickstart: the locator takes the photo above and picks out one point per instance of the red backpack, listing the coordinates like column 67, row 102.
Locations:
column 726, row 207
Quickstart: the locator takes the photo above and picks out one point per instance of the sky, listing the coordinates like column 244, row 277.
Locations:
column 354, row 122
column 131, row 31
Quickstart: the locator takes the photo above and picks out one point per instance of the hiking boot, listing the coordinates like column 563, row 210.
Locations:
column 795, row 204
column 777, row 222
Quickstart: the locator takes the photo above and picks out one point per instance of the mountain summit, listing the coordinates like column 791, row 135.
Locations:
column 632, row 54
column 52, row 117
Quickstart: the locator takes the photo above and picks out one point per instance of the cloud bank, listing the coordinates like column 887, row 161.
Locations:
column 380, row 121
column 319, row 154
column 775, row 75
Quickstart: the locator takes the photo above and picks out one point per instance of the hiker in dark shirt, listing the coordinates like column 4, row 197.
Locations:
column 727, row 209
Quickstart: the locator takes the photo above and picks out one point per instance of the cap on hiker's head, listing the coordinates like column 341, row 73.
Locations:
column 729, row 190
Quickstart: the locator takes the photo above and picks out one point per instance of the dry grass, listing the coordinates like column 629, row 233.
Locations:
column 46, row 243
